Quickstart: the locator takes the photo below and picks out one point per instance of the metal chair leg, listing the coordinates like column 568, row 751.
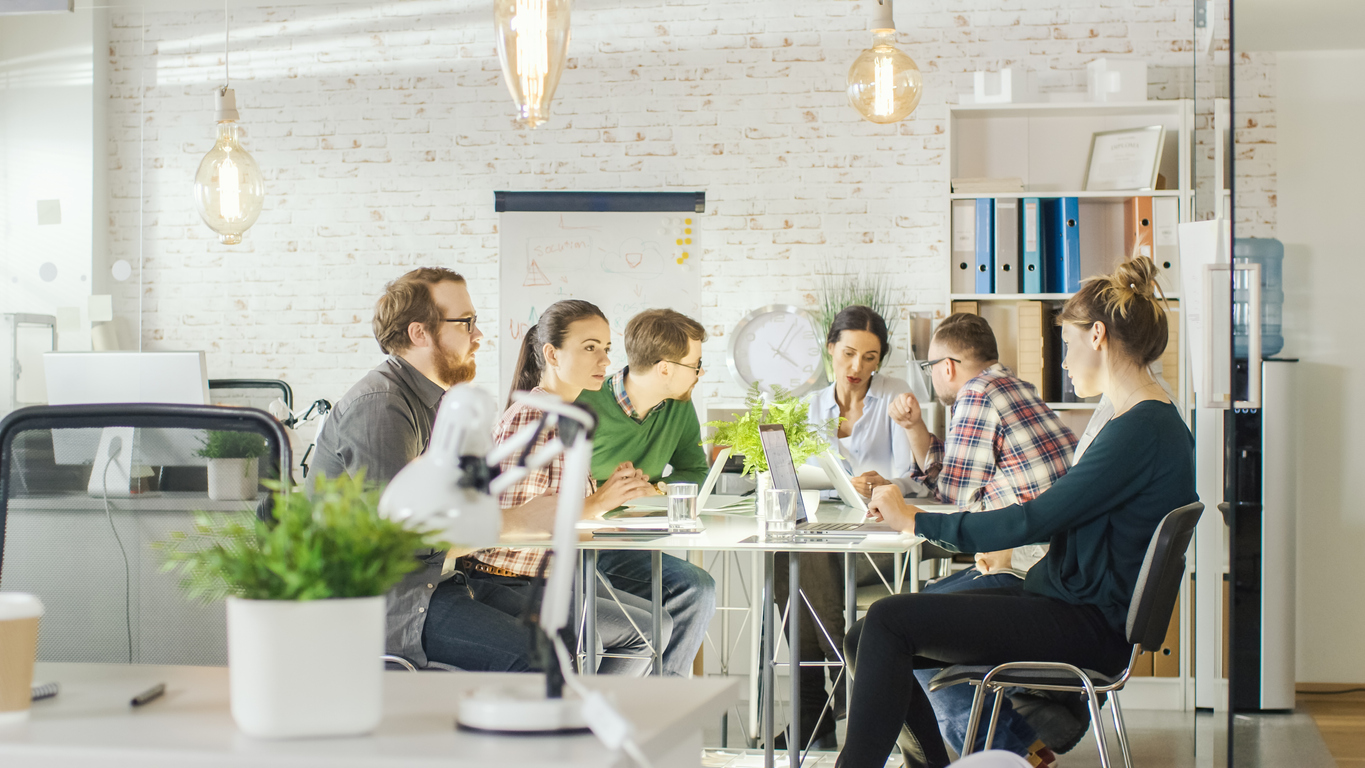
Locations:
column 978, row 701
column 1119, row 728
column 995, row 717
column 1096, row 724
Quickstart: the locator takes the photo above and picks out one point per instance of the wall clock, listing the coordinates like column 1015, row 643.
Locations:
column 777, row 345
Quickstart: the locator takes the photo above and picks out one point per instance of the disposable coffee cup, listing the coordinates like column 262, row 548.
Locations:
column 19, row 615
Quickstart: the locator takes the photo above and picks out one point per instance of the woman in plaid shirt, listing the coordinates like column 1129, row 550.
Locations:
column 565, row 353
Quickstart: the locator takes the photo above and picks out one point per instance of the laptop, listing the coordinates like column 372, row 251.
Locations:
column 706, row 501
column 775, row 449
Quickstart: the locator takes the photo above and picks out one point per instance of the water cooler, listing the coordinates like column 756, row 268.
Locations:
column 1260, row 463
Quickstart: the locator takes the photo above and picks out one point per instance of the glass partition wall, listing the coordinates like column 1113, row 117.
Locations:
column 70, row 270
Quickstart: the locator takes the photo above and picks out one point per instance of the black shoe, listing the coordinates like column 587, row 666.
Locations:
column 1060, row 719
column 825, row 741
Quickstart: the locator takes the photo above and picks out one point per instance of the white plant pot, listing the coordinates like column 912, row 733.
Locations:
column 306, row 668
column 233, row 479
column 764, row 481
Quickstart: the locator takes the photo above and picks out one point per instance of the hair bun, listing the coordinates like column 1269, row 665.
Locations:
column 1136, row 276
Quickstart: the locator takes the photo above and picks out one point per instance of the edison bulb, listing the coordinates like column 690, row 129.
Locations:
column 533, row 42
column 228, row 187
column 884, row 84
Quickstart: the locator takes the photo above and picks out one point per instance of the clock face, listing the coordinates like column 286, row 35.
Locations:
column 777, row 346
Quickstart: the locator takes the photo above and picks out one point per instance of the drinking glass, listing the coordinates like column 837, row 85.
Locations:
column 682, row 507
column 777, row 509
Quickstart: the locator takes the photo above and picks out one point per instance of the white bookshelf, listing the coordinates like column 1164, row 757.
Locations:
column 1048, row 147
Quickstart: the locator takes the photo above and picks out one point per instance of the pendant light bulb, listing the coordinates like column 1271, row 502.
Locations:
column 228, row 187
column 884, row 84
column 533, row 42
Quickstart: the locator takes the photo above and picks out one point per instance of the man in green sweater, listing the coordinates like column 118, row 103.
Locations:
column 645, row 417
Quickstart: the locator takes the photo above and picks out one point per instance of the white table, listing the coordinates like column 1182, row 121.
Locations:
column 732, row 533
column 91, row 724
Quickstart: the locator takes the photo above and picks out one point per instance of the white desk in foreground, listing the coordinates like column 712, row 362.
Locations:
column 91, row 724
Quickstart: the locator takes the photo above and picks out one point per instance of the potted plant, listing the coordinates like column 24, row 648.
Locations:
column 234, row 464
column 305, row 604
column 793, row 413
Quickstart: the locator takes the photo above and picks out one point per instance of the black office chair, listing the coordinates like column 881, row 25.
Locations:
column 1149, row 614
column 86, row 553
column 277, row 388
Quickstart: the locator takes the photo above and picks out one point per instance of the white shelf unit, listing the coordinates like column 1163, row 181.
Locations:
column 1048, row 147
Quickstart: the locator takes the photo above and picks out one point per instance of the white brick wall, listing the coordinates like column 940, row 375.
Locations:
column 384, row 129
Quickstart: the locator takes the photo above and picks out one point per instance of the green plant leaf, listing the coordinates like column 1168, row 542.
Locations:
column 837, row 291
column 223, row 444
column 793, row 413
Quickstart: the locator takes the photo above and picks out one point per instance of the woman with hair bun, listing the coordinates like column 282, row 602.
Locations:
column 1099, row 519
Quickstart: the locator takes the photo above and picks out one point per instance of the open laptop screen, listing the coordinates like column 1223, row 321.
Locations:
column 779, row 456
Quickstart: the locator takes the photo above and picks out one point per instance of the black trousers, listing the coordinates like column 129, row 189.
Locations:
column 903, row 633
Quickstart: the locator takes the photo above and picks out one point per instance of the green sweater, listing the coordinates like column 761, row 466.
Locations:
column 1099, row 517
column 670, row 434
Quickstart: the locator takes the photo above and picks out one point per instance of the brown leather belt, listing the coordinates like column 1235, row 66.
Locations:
column 470, row 564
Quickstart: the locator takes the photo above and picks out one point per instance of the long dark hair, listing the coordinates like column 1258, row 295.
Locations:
column 550, row 327
column 860, row 318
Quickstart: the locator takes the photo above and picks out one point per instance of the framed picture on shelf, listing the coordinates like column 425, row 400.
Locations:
column 1126, row 159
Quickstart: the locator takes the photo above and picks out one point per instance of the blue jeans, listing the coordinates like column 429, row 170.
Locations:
column 953, row 705
column 689, row 599
column 474, row 622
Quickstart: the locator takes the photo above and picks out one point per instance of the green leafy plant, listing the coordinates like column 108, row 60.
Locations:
column 793, row 413
column 220, row 444
column 330, row 544
column 838, row 291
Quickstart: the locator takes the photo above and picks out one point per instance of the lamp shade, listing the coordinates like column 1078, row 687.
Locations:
column 884, row 84
column 533, row 42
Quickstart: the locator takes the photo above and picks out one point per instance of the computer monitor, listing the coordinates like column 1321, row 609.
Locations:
column 79, row 378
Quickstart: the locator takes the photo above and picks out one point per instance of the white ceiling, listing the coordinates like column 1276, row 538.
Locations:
column 1298, row 25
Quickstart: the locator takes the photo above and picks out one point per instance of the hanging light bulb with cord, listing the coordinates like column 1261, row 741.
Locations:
column 228, row 187
column 884, row 84
column 533, row 42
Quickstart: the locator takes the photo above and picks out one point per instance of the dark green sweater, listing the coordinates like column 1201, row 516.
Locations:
column 1099, row 517
column 670, row 434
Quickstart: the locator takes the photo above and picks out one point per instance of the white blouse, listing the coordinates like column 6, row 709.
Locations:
column 876, row 444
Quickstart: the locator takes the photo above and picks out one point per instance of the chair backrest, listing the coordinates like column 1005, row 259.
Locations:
column 1158, row 583
column 278, row 388
column 85, row 548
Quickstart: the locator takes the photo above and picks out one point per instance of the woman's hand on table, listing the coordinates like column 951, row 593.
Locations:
column 867, row 481
column 887, row 506
column 625, row 484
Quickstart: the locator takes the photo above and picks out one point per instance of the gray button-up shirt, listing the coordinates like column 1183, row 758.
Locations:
column 380, row 425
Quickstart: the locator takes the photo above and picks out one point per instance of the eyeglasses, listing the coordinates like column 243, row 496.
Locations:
column 469, row 322
column 698, row 367
column 928, row 365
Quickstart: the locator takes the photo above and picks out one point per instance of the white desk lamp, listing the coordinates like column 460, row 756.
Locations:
column 451, row 490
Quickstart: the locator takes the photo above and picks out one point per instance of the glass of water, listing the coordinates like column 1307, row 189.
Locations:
column 777, row 509
column 682, row 507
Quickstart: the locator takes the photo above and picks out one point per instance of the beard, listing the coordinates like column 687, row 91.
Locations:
column 455, row 369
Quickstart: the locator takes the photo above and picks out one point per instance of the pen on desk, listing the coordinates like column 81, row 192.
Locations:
column 44, row 691
column 148, row 695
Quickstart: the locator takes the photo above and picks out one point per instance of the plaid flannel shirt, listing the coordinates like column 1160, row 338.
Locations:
column 526, row 562
column 1005, row 446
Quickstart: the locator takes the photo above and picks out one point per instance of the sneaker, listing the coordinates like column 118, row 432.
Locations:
column 1039, row 756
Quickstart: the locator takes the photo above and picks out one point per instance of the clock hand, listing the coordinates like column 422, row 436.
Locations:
column 778, row 353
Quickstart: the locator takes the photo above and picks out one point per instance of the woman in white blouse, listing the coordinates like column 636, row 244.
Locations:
column 874, row 450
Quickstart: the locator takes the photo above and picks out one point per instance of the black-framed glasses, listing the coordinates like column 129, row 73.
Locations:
column 928, row 365
column 469, row 322
column 698, row 367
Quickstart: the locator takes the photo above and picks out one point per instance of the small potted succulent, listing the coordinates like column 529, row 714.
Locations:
column 305, row 604
column 234, row 464
column 793, row 413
